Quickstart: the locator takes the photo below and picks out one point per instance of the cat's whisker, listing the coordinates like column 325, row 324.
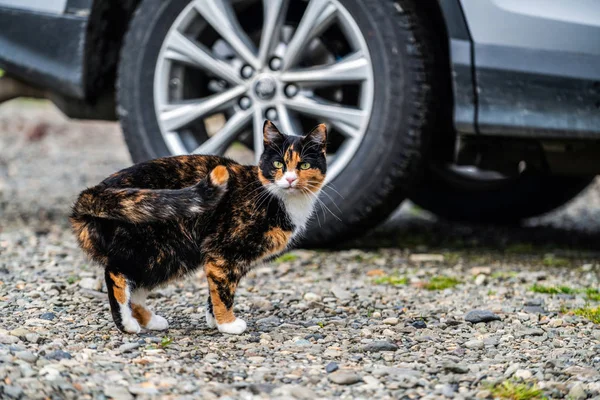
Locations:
column 307, row 194
column 254, row 190
column 316, row 197
column 324, row 206
column 330, row 186
column 252, row 183
column 318, row 219
column 259, row 200
column 254, row 194
column 326, row 186
column 330, row 198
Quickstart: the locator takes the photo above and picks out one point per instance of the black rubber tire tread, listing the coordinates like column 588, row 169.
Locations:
column 390, row 159
column 526, row 197
column 410, row 126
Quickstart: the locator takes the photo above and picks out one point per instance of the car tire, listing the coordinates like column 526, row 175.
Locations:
column 458, row 199
column 391, row 154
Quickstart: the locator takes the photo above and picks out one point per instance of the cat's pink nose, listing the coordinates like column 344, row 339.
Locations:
column 290, row 179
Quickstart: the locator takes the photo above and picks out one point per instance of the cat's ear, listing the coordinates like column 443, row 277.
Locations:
column 318, row 136
column 271, row 134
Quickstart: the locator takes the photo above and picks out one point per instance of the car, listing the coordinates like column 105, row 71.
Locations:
column 476, row 110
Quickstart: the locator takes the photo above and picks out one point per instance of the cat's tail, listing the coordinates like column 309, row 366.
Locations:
column 149, row 205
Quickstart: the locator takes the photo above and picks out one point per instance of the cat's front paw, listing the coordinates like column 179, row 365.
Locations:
column 130, row 325
column 236, row 327
column 157, row 323
column 210, row 320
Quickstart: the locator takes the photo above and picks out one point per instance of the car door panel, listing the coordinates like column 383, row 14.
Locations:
column 537, row 66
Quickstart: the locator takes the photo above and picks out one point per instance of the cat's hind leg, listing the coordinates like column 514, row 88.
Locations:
column 222, row 284
column 210, row 316
column 143, row 314
column 119, row 296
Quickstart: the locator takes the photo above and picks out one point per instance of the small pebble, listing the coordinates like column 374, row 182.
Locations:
column 331, row 367
column 380, row 345
column 474, row 344
column 127, row 347
column 26, row 356
column 59, row 355
column 312, row 297
column 419, row 324
column 523, row 374
column 476, row 316
column 49, row 316
column 344, row 378
column 8, row 339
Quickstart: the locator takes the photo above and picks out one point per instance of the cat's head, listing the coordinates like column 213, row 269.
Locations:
column 293, row 165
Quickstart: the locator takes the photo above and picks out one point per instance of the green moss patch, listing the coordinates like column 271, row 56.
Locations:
column 516, row 391
column 393, row 280
column 288, row 257
column 591, row 313
column 441, row 283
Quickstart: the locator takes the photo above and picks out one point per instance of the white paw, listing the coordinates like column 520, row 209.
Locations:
column 130, row 325
column 210, row 320
column 236, row 327
column 157, row 323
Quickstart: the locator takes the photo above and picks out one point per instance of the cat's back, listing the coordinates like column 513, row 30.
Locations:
column 167, row 172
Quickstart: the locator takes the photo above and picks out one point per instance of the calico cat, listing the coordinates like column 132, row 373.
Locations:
column 162, row 219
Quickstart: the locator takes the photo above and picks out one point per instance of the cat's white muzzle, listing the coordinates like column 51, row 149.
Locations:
column 288, row 181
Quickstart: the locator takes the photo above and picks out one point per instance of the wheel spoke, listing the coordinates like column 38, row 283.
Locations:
column 274, row 17
column 221, row 16
column 174, row 116
column 350, row 119
column 345, row 129
column 221, row 140
column 353, row 68
column 181, row 48
column 258, row 133
column 317, row 17
column 174, row 143
column 289, row 122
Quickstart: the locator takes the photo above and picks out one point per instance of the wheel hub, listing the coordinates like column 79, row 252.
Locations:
column 265, row 87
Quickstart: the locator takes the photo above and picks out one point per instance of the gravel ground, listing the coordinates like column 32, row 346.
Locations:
column 401, row 323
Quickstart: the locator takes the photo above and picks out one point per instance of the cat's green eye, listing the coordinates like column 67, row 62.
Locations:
column 304, row 165
column 278, row 164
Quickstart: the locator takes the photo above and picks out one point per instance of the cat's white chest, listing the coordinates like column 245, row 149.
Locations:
column 299, row 209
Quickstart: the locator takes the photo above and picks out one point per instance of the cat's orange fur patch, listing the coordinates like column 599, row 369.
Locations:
column 291, row 158
column 279, row 239
column 219, row 175
column 312, row 179
column 278, row 174
column 83, row 234
column 222, row 314
column 141, row 314
column 119, row 288
column 262, row 178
